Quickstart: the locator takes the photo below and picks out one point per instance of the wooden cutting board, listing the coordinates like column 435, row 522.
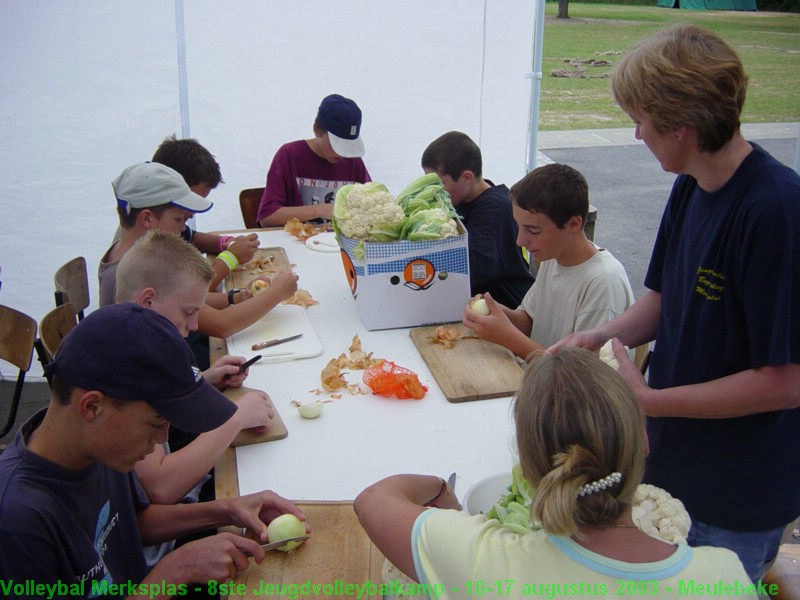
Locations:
column 338, row 553
column 473, row 369
column 245, row 437
column 266, row 261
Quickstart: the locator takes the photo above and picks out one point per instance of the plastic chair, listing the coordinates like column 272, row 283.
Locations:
column 72, row 285
column 249, row 200
column 17, row 332
column 52, row 329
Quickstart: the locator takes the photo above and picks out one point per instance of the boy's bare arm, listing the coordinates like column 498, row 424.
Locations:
column 505, row 326
column 302, row 213
column 243, row 247
column 167, row 478
column 224, row 323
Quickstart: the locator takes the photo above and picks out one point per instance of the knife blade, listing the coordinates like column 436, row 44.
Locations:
column 278, row 544
column 275, row 342
column 273, row 545
column 451, row 481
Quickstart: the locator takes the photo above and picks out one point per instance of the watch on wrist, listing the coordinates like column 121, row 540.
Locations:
column 231, row 292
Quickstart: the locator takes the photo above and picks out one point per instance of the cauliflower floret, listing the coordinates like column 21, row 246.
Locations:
column 362, row 207
column 607, row 355
column 660, row 515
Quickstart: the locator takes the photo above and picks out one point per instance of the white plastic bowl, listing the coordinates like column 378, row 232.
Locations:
column 481, row 496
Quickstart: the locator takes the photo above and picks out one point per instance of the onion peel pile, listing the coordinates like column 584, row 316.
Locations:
column 446, row 336
column 301, row 298
column 358, row 359
column 302, row 231
column 332, row 375
column 262, row 263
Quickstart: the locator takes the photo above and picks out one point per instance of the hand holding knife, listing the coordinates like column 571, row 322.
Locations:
column 246, row 365
column 447, row 489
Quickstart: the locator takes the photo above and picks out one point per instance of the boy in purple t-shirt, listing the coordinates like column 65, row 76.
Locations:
column 305, row 175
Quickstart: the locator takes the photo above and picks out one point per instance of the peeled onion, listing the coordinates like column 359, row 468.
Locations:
column 479, row 306
column 310, row 410
column 285, row 527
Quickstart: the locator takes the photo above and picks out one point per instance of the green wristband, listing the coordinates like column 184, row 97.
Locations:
column 229, row 258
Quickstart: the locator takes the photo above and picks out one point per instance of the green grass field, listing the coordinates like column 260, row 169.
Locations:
column 768, row 44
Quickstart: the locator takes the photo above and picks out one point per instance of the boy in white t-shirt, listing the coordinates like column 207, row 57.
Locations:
column 578, row 285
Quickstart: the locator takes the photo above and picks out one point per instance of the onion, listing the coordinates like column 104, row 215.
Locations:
column 284, row 527
column 309, row 410
column 258, row 286
column 480, row 307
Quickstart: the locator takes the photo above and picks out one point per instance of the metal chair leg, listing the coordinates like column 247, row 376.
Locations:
column 13, row 409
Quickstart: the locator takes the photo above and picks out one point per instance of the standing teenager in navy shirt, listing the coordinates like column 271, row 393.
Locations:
column 724, row 286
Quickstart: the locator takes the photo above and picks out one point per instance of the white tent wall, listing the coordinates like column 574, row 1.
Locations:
column 89, row 87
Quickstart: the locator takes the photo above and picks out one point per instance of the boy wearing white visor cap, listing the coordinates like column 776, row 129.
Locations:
column 305, row 175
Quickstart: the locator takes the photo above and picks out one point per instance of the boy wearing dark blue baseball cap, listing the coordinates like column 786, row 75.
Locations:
column 71, row 511
column 304, row 175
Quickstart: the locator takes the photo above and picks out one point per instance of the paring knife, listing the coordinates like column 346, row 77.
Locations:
column 246, row 365
column 275, row 342
column 273, row 545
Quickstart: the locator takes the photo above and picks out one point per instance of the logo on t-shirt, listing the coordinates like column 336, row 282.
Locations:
column 710, row 284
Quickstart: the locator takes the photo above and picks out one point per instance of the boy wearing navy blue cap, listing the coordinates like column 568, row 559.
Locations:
column 305, row 175
column 71, row 511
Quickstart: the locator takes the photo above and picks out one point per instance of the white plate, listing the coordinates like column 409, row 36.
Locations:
column 323, row 242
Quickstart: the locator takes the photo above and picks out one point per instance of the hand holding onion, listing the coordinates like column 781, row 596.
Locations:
column 254, row 511
column 479, row 306
column 258, row 285
column 285, row 527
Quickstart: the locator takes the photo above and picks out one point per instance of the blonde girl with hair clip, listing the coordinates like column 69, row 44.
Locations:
column 582, row 446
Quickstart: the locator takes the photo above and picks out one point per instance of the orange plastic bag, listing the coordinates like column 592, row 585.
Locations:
column 389, row 379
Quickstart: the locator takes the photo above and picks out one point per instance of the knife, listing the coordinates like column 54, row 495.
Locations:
column 278, row 544
column 451, row 481
column 246, row 365
column 275, row 342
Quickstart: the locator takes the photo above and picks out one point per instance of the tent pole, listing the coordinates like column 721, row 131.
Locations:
column 536, row 85
column 183, row 83
column 797, row 155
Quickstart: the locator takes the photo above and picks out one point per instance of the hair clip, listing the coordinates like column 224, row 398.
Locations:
column 600, row 484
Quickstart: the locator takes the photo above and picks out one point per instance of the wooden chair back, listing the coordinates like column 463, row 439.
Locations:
column 17, row 333
column 72, row 285
column 52, row 329
column 249, row 200
column 641, row 357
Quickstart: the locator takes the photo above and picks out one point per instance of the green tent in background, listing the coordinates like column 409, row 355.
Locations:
column 710, row 4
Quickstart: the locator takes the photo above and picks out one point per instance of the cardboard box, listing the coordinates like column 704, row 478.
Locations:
column 407, row 284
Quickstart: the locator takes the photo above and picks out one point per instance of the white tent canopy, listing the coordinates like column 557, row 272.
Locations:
column 90, row 87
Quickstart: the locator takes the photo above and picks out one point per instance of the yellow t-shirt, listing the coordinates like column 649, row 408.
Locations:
column 462, row 556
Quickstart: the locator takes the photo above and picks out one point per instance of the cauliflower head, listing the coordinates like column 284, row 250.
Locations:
column 660, row 515
column 654, row 511
column 362, row 209
column 431, row 224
